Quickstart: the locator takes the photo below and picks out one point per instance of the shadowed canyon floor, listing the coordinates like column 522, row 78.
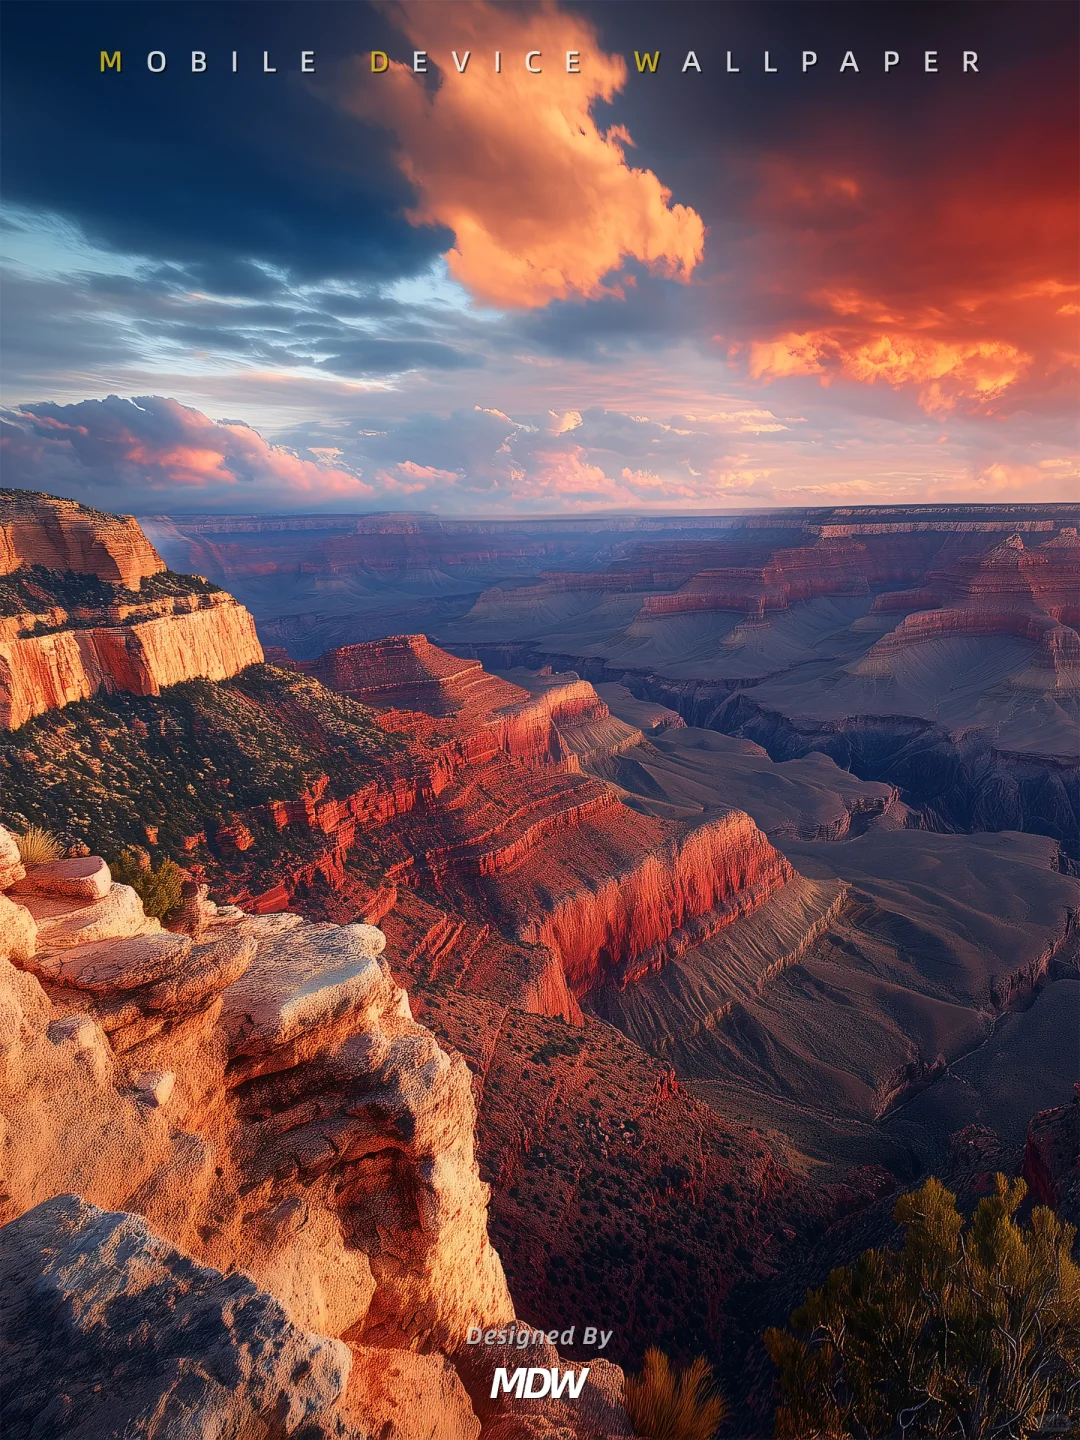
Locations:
column 689, row 1002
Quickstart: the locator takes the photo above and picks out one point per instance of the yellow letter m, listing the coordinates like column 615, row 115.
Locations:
column 110, row 62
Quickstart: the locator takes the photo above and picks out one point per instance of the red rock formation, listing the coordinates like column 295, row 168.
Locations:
column 493, row 820
column 64, row 535
column 833, row 566
column 78, row 617
column 406, row 674
column 723, row 869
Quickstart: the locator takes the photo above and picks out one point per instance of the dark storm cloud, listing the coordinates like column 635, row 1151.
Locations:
column 234, row 173
column 369, row 356
column 650, row 312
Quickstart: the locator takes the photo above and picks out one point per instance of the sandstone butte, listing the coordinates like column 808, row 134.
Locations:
column 240, row 1135
column 137, row 633
column 38, row 529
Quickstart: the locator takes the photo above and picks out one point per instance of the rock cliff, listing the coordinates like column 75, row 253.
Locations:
column 1010, row 590
column 42, row 672
column 1052, row 1159
column 87, row 604
column 518, row 836
column 64, row 535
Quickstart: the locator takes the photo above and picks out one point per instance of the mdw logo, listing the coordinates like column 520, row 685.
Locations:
column 537, row 1384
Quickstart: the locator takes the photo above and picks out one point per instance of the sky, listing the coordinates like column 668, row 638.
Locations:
column 706, row 287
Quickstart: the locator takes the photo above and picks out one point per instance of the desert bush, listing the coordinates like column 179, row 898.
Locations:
column 38, row 846
column 963, row 1333
column 663, row 1405
column 159, row 888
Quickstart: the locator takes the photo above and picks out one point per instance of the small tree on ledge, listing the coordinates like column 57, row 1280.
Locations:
column 961, row 1335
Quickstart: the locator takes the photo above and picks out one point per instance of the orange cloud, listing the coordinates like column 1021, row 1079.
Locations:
column 946, row 371
column 542, row 202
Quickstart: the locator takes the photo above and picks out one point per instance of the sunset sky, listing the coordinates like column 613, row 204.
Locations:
column 513, row 293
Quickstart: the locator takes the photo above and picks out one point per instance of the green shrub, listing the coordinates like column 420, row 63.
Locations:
column 963, row 1333
column 158, row 888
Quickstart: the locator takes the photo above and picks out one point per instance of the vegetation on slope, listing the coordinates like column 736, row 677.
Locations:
column 123, row 770
column 963, row 1333
column 159, row 887
column 35, row 587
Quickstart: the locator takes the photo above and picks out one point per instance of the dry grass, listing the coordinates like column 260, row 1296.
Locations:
column 665, row 1406
column 38, row 846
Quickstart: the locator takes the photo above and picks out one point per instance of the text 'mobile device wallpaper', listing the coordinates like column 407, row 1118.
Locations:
column 539, row 711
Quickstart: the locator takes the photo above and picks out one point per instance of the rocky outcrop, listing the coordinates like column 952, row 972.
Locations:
column 87, row 604
column 1009, row 590
column 106, row 1329
column 613, row 926
column 260, row 1095
column 64, row 535
column 1051, row 1164
column 12, row 869
column 539, row 720
column 317, row 1073
column 832, row 567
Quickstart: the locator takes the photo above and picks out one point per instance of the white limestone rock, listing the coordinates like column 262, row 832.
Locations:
column 302, row 979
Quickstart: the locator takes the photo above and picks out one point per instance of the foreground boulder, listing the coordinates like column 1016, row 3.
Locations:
column 106, row 1329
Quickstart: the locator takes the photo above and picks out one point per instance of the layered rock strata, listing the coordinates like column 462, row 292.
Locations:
column 548, row 853
column 1010, row 590
column 41, row 672
column 40, row 529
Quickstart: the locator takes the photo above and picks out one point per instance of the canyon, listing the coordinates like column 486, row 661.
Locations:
column 689, row 960
column 961, row 690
